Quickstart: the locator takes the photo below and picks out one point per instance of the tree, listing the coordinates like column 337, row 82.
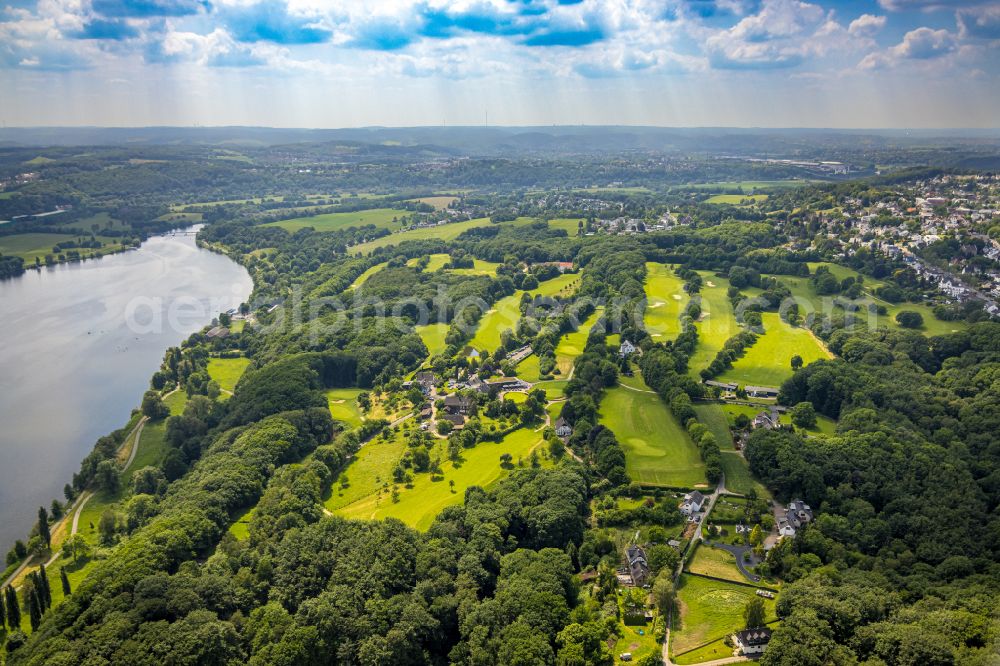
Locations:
column 909, row 319
column 153, row 406
column 13, row 608
column 662, row 558
column 804, row 415
column 796, row 362
column 64, row 579
column 43, row 526
column 69, row 493
column 107, row 477
column 44, row 590
column 75, row 547
column 106, row 526
column 663, row 592
column 756, row 536
column 753, row 613
column 56, row 510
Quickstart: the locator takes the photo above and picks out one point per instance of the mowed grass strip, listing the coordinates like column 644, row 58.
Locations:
column 738, row 476
column 657, row 449
column 768, row 361
column 419, row 505
column 507, row 311
column 735, row 199
column 665, row 301
column 227, row 371
column 343, row 404
column 709, row 610
column 383, row 218
column 572, row 344
column 713, row 416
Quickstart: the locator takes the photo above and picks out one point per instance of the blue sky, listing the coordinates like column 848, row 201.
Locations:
column 315, row 63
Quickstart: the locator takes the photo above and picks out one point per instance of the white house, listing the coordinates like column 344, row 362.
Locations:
column 626, row 349
column 752, row 642
column 692, row 504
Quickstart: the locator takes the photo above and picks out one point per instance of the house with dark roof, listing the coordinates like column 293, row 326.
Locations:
column 725, row 386
column 765, row 420
column 456, row 420
column 626, row 349
column 692, row 503
column 761, row 391
column 563, row 429
column 458, row 404
column 752, row 642
column 637, row 565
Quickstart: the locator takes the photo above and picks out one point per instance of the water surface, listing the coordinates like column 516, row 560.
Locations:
column 78, row 344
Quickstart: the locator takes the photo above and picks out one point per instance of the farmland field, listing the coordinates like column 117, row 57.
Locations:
column 666, row 301
column 433, row 336
column 735, row 199
column 569, row 225
column 709, row 610
column 657, row 449
column 227, row 371
column 439, row 202
column 768, row 361
column 380, row 217
column 344, row 406
column 419, row 505
column 716, row 324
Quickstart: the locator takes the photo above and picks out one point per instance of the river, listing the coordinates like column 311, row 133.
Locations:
column 78, row 344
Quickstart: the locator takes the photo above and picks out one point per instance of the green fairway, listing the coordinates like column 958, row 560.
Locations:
column 768, row 361
column 554, row 389
column 479, row 267
column 30, row 246
column 442, row 231
column 738, row 477
column 528, row 369
column 658, row 450
column 360, row 280
column 227, row 371
column 709, row 610
column 383, row 218
column 343, row 405
column 370, row 472
column 736, row 199
column 433, row 336
column 437, row 262
column 502, row 316
column 716, row 324
column 572, row 344
column 419, row 505
column 666, row 301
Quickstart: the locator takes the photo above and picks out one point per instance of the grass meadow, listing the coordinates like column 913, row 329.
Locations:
column 343, row 404
column 717, row 323
column 383, row 218
column 433, row 336
column 709, row 610
column 30, row 246
column 768, row 361
column 715, row 562
column 227, row 371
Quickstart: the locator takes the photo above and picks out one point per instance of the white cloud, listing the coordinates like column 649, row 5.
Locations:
column 866, row 25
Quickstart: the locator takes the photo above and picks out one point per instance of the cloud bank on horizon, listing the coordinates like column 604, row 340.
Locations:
column 861, row 63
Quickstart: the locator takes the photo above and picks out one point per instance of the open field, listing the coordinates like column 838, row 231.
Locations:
column 29, row 246
column 433, row 336
column 768, row 362
column 715, row 562
column 666, row 301
column 657, row 449
column 506, row 312
column 572, row 344
column 479, row 267
column 529, row 370
column 153, row 445
column 554, row 389
column 439, row 202
column 369, row 472
column 709, row 610
column 735, row 199
column 442, row 231
column 569, row 225
column 717, row 323
column 714, row 650
column 227, row 371
column 419, row 505
column 437, row 262
column 383, row 218
column 343, row 405
column 360, row 280
column 738, row 476
column 748, row 185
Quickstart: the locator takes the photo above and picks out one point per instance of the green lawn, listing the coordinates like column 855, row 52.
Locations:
column 738, row 477
column 709, row 610
column 714, row 650
column 658, row 450
column 717, row 323
column 433, row 336
column 442, row 231
column 572, row 344
column 383, row 218
column 419, row 505
column 768, row 361
column 227, row 371
column 437, row 262
column 666, row 300
column 439, row 202
column 735, row 199
column 554, row 389
column 343, row 405
column 569, row 225
column 479, row 267
column 528, row 369
column 715, row 562
column 360, row 280
column 30, row 246
column 503, row 315
column 713, row 416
